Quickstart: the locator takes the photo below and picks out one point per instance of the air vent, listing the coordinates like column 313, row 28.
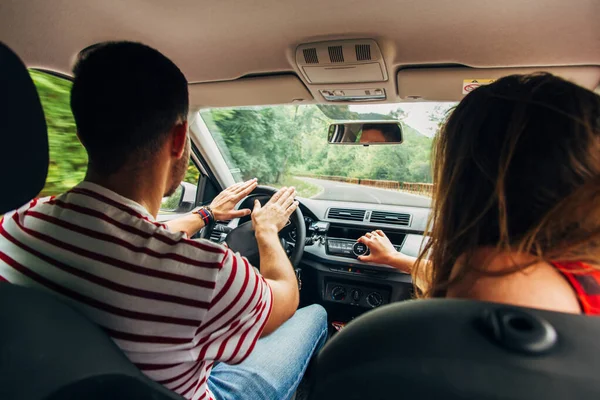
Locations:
column 215, row 237
column 382, row 217
column 310, row 56
column 346, row 214
column 336, row 54
column 341, row 61
column 363, row 52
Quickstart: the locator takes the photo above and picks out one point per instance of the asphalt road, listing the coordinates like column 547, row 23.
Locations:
column 356, row 193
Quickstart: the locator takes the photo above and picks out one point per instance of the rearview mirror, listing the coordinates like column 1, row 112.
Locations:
column 365, row 132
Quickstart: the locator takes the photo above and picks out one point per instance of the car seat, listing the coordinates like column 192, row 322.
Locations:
column 459, row 349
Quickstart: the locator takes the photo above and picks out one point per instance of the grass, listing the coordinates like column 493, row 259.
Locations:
column 303, row 188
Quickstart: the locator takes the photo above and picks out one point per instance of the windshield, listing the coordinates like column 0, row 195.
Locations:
column 287, row 145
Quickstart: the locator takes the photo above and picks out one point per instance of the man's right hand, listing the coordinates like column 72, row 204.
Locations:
column 274, row 215
column 275, row 266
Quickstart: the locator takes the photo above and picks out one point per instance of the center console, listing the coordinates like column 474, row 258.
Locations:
column 348, row 282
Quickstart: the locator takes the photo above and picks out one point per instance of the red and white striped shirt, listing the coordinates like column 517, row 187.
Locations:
column 175, row 306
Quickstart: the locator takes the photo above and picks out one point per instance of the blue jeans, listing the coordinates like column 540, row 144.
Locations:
column 276, row 365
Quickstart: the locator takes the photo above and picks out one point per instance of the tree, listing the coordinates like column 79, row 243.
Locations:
column 258, row 140
column 192, row 174
column 68, row 158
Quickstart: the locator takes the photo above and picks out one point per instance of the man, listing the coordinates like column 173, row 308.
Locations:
column 380, row 133
column 184, row 311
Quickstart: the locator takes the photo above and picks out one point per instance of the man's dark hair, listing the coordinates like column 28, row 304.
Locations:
column 389, row 131
column 126, row 97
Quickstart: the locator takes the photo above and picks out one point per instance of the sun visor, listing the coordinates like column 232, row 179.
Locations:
column 263, row 90
column 452, row 84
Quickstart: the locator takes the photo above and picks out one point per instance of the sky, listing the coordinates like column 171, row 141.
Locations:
column 417, row 113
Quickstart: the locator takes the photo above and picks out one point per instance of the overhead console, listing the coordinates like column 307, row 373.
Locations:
column 342, row 63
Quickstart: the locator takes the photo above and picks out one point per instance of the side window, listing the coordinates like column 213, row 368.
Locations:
column 184, row 198
column 192, row 175
column 68, row 159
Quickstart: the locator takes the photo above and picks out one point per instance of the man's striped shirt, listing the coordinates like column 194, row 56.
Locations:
column 175, row 306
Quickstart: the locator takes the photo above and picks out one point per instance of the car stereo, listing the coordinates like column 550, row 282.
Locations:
column 350, row 248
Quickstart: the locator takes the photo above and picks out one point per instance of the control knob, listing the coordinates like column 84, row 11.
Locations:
column 355, row 295
column 374, row 299
column 338, row 293
column 360, row 249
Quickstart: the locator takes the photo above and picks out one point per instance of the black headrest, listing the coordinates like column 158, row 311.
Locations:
column 23, row 135
column 460, row 349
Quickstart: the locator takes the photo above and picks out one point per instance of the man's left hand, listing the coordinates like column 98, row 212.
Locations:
column 222, row 206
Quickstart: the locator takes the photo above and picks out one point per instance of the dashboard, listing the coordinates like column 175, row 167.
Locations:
column 330, row 265
column 333, row 228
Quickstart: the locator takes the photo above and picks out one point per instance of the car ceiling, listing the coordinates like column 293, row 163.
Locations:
column 226, row 39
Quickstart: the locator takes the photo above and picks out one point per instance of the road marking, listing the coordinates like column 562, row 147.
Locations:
column 376, row 199
column 354, row 186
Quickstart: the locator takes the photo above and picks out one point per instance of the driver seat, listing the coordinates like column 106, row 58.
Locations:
column 48, row 350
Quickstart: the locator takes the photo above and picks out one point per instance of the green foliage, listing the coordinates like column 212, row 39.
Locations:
column 271, row 143
column 261, row 142
column 192, row 174
column 68, row 159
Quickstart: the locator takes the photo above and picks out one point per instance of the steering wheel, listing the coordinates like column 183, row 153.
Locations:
column 242, row 239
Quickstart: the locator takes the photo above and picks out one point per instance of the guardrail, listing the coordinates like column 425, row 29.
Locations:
column 381, row 184
column 423, row 189
column 356, row 181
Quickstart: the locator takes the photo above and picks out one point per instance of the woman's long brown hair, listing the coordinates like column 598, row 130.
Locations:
column 517, row 168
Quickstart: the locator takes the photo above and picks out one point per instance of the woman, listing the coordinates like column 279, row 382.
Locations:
column 516, row 206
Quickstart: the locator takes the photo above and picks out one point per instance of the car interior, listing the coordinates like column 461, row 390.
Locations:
column 327, row 53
